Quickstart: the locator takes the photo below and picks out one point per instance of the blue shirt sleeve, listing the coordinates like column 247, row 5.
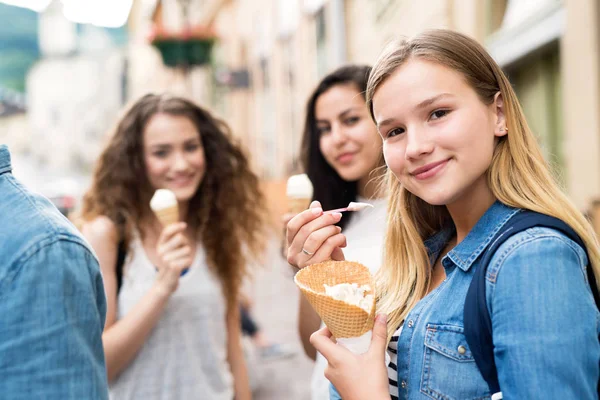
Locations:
column 333, row 393
column 544, row 319
column 51, row 322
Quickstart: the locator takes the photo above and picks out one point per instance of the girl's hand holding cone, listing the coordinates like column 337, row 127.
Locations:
column 175, row 255
column 356, row 377
column 313, row 237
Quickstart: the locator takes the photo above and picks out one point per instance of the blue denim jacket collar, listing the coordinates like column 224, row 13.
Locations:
column 435, row 244
column 467, row 251
column 5, row 165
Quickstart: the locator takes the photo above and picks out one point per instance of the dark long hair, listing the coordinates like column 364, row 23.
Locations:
column 329, row 187
column 228, row 207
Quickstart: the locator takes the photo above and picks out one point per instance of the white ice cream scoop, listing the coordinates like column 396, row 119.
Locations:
column 299, row 187
column 163, row 198
column 351, row 293
column 165, row 207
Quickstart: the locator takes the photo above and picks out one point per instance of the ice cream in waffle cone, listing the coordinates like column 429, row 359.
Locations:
column 164, row 205
column 299, row 191
column 342, row 293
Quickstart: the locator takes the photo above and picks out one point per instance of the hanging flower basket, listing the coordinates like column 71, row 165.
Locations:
column 191, row 47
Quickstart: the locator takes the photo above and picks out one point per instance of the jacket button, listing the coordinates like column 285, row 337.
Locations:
column 410, row 323
column 462, row 349
column 403, row 384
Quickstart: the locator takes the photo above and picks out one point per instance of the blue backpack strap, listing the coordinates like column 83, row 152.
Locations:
column 477, row 320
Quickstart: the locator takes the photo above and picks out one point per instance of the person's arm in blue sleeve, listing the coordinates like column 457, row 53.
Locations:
column 544, row 320
column 51, row 321
column 333, row 393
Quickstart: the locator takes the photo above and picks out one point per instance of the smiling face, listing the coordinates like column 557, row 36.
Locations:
column 348, row 138
column 438, row 135
column 173, row 155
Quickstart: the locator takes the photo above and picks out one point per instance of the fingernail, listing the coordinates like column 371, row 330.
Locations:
column 337, row 215
column 381, row 319
column 316, row 211
column 338, row 229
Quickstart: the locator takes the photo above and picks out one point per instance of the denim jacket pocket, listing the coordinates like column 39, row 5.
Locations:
column 449, row 369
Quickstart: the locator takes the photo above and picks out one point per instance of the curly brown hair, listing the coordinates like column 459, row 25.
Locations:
column 229, row 206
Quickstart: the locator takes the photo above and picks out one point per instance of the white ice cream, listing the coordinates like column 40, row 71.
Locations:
column 299, row 187
column 351, row 293
column 163, row 198
column 355, row 206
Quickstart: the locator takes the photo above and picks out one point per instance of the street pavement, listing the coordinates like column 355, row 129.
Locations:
column 276, row 309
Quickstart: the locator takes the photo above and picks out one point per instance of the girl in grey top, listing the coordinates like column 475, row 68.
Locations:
column 172, row 329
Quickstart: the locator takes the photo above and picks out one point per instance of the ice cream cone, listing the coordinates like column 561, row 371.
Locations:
column 167, row 216
column 165, row 207
column 299, row 193
column 297, row 205
column 344, row 320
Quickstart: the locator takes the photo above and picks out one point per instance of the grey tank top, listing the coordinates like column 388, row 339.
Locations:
column 185, row 355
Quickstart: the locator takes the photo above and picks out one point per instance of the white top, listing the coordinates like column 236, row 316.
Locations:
column 364, row 236
column 185, row 355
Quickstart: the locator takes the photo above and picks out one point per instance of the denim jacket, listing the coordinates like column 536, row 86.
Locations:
column 52, row 303
column 545, row 322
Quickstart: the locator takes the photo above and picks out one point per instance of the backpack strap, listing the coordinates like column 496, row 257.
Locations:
column 477, row 320
column 121, row 254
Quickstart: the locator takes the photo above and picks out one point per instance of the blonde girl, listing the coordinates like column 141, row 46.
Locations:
column 462, row 162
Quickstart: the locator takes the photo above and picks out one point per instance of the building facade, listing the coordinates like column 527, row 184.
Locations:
column 14, row 129
column 74, row 94
column 549, row 48
column 271, row 53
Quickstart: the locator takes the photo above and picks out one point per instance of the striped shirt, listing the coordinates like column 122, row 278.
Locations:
column 392, row 351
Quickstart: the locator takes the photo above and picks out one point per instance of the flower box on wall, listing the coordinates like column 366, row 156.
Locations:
column 191, row 47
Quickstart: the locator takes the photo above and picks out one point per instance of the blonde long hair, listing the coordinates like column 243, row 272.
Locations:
column 518, row 175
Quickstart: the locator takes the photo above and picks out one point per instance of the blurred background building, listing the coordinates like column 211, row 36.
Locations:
column 265, row 56
column 75, row 90
column 270, row 53
column 69, row 78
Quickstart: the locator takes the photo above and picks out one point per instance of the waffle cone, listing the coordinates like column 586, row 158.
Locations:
column 167, row 216
column 343, row 320
column 297, row 205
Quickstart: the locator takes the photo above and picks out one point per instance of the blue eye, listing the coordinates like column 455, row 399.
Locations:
column 191, row 148
column 160, row 154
